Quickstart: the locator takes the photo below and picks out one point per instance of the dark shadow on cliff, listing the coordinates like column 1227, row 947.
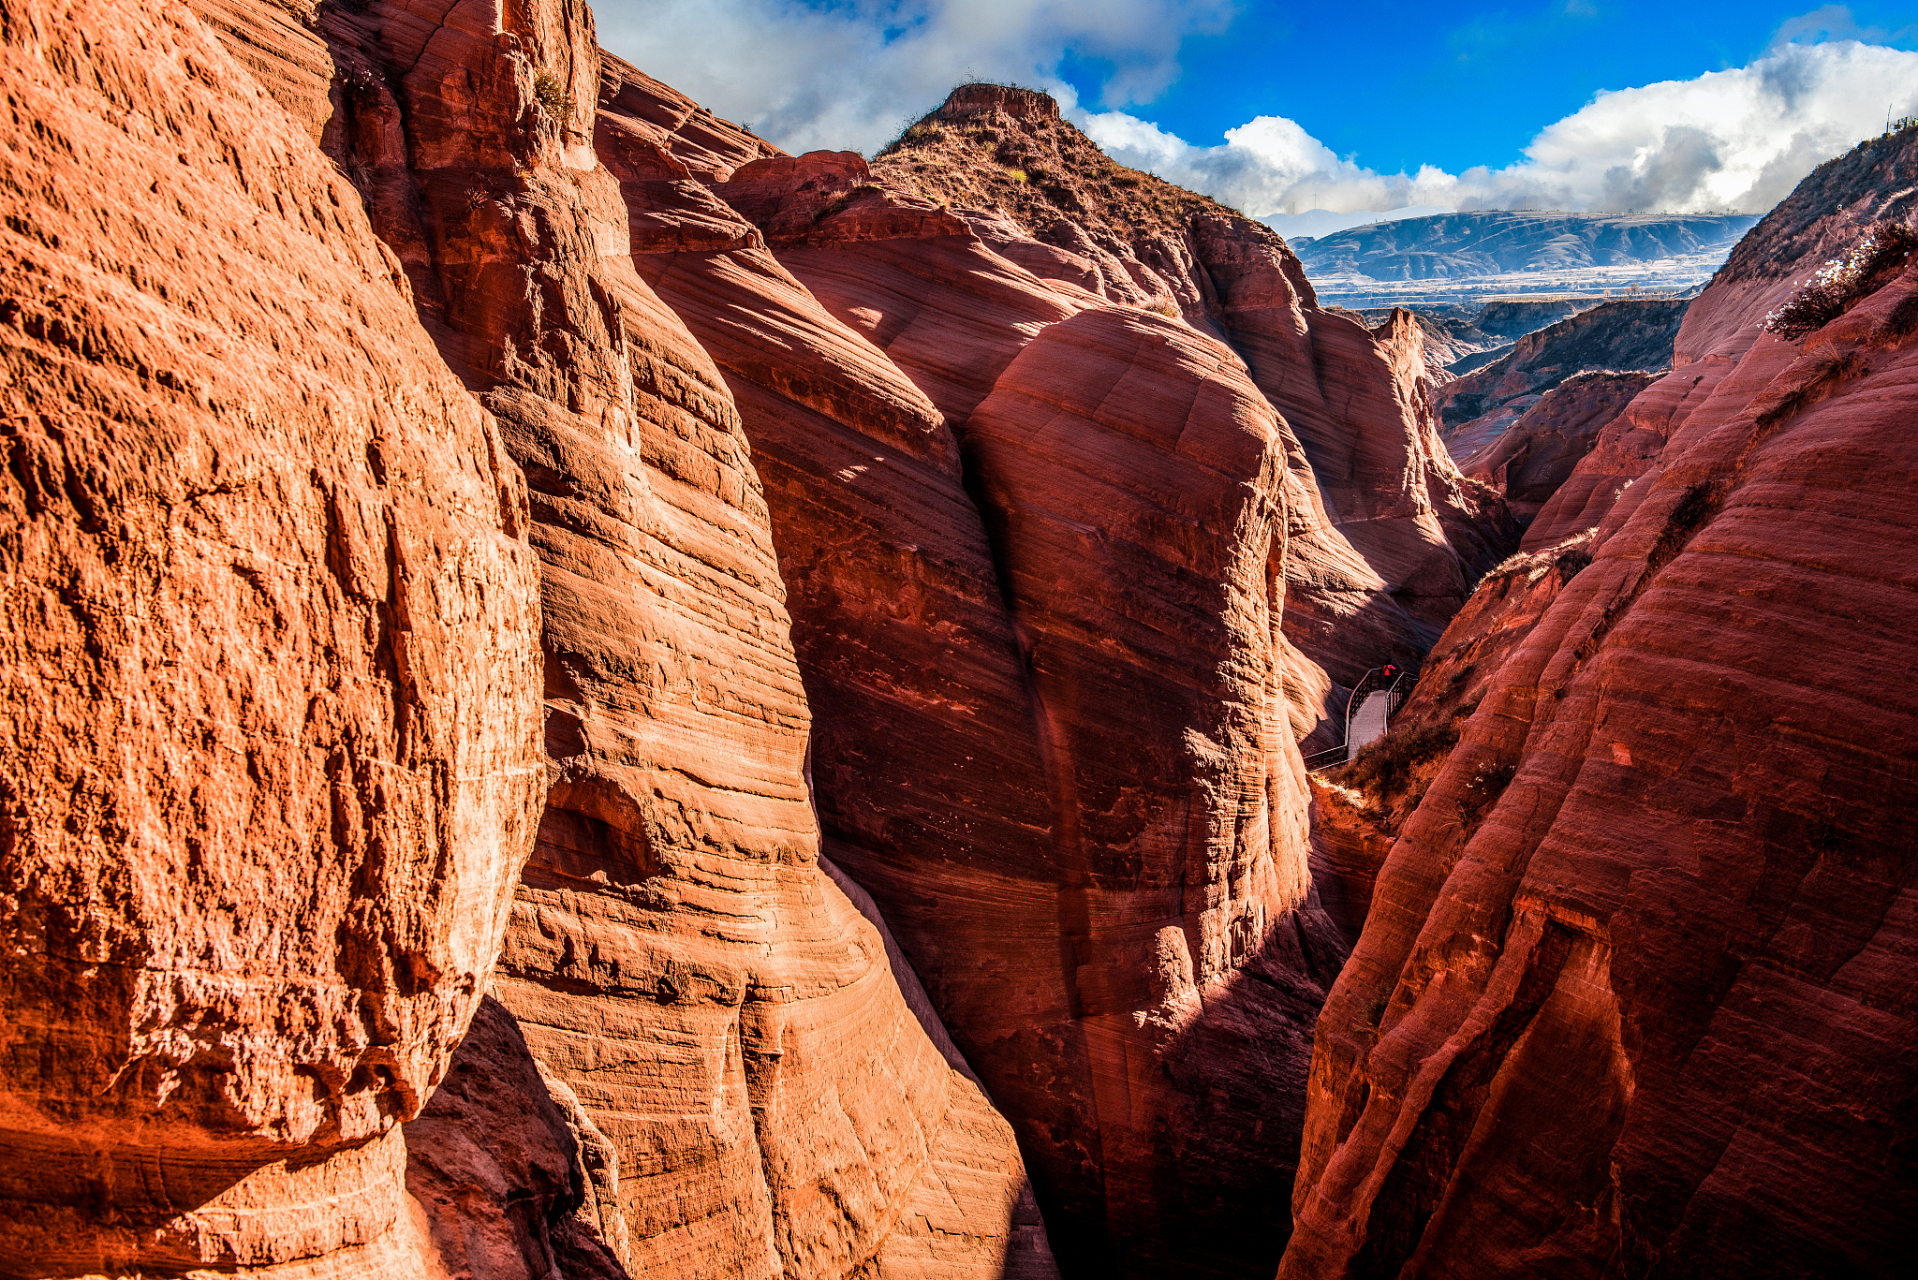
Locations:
column 1241, row 1067
column 514, row 1178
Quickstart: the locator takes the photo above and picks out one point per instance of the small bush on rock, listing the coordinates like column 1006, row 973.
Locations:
column 552, row 95
column 1385, row 767
column 1883, row 248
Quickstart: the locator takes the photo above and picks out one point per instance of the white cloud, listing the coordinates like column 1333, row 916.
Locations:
column 850, row 74
column 1735, row 140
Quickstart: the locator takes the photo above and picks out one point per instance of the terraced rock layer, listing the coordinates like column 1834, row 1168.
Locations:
column 274, row 424
column 676, row 958
column 1633, row 996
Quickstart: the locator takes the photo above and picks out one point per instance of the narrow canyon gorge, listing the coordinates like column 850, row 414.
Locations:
column 586, row 697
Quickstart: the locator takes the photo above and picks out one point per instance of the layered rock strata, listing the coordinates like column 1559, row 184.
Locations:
column 1624, row 334
column 1530, row 448
column 247, row 483
column 1818, row 222
column 269, row 671
column 676, row 958
column 1386, row 535
column 1633, row 995
column 986, row 550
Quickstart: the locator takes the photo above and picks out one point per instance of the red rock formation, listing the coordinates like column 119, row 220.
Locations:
column 904, row 335
column 270, row 670
column 1357, row 400
column 1626, row 334
column 1818, row 222
column 724, row 1016
column 1624, row 449
column 1358, row 808
column 499, row 1163
column 1528, row 456
column 1375, row 572
column 1633, row 996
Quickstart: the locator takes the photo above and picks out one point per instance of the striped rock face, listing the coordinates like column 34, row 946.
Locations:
column 1634, row 993
column 269, row 675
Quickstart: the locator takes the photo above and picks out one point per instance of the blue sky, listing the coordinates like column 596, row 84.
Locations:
column 1601, row 105
column 1456, row 85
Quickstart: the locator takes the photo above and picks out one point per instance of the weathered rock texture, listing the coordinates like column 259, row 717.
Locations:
column 275, row 636
column 509, row 1170
column 269, row 669
column 1527, row 456
column 1818, row 222
column 1386, row 535
column 1634, row 995
column 676, row 958
column 1625, row 334
column 1039, row 543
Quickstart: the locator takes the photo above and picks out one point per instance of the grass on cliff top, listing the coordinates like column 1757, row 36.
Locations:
column 1878, row 253
column 1036, row 172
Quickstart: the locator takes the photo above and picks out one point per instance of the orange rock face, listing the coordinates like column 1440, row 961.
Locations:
column 1015, row 519
column 270, row 676
column 1634, row 993
column 722, row 1013
column 275, row 639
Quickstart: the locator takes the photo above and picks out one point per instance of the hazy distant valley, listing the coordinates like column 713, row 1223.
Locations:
column 1463, row 260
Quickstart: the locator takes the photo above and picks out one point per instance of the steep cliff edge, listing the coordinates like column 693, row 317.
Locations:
column 1530, row 455
column 270, row 677
column 1634, row 994
column 1356, row 401
column 275, row 643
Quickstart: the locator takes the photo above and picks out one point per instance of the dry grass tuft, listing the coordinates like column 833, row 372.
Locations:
column 1882, row 249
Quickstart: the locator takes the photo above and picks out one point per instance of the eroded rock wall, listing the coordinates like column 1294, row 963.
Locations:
column 677, row 959
column 1003, row 585
column 1633, row 995
column 270, row 662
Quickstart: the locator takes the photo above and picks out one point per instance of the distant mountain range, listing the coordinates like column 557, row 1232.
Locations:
column 1465, row 257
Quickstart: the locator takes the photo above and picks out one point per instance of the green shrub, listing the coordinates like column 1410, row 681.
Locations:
column 1385, row 767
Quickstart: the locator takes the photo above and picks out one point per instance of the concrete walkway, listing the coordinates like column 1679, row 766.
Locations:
column 1368, row 723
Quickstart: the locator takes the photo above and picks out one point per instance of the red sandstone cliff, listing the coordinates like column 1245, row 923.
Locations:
column 907, row 380
column 1533, row 445
column 1818, row 222
column 275, row 646
column 1005, row 751
column 1634, row 993
column 724, row 1015
column 270, row 666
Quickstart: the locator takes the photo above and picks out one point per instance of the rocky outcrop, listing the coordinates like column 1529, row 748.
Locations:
column 1356, row 400
column 267, row 814
column 1625, row 334
column 987, row 552
column 1530, row 455
column 509, row 1171
column 1818, row 222
column 1633, row 994
column 676, row 958
column 270, row 677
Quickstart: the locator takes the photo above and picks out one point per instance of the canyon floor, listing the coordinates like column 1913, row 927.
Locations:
column 584, row 697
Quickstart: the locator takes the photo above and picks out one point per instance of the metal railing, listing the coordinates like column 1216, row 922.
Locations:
column 1396, row 687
